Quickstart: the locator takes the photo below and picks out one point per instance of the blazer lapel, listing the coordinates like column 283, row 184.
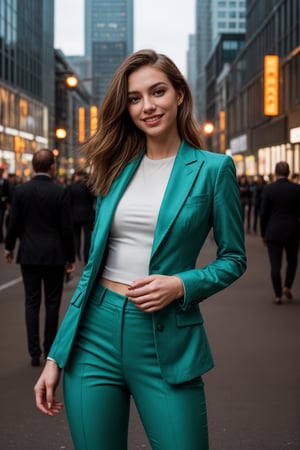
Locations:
column 108, row 206
column 186, row 168
column 110, row 202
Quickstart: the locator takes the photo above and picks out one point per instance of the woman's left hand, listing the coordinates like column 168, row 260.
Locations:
column 155, row 292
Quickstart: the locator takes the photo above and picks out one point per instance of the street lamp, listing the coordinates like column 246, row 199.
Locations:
column 208, row 128
column 72, row 81
column 61, row 133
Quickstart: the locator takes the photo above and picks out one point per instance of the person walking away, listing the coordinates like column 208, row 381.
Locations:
column 83, row 212
column 280, row 228
column 244, row 197
column 259, row 185
column 12, row 184
column 41, row 220
column 295, row 178
column 134, row 327
column 4, row 196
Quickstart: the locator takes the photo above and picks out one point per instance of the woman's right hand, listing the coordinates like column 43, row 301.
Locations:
column 45, row 388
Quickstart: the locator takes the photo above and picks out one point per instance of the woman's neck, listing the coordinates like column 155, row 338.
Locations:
column 159, row 149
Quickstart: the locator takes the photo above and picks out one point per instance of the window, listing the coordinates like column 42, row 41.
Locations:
column 230, row 45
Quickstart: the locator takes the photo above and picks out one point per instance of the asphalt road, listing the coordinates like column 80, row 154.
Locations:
column 253, row 393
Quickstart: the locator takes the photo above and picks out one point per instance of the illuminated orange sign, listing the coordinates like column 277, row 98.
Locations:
column 81, row 124
column 271, row 87
column 93, row 119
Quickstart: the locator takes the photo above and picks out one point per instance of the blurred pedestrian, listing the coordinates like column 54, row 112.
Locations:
column 12, row 183
column 83, row 212
column 280, row 228
column 295, row 178
column 134, row 327
column 62, row 179
column 4, row 196
column 245, row 197
column 257, row 188
column 41, row 219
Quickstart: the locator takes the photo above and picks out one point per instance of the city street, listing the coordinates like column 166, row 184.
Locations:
column 253, row 393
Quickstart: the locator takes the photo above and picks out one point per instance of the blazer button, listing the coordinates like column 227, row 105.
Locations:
column 160, row 327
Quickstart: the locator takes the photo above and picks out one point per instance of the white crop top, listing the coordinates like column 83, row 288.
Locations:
column 133, row 226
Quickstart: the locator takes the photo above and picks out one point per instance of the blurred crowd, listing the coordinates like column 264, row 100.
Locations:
column 82, row 201
column 251, row 189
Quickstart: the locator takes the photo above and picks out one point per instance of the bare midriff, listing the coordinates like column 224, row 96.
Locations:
column 121, row 288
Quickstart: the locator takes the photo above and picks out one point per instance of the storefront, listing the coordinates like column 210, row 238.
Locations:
column 289, row 152
column 23, row 130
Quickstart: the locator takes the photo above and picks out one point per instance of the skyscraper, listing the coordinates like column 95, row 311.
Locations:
column 213, row 17
column 108, row 39
column 26, row 81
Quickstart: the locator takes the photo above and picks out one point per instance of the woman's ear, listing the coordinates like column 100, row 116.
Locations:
column 180, row 97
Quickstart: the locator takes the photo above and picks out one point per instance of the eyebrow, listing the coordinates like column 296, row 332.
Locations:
column 153, row 86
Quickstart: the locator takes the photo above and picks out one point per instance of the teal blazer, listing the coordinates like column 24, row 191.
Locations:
column 202, row 193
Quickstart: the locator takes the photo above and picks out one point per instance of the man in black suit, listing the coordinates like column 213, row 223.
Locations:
column 280, row 228
column 83, row 212
column 41, row 219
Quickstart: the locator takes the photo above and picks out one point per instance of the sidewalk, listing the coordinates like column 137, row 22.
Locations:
column 253, row 394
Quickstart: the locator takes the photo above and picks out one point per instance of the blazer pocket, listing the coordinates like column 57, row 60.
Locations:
column 196, row 199
column 190, row 318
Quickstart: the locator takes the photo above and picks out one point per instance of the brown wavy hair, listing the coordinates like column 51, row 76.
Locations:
column 117, row 140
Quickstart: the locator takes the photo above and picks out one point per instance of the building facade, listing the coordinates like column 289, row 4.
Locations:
column 73, row 110
column 226, row 49
column 213, row 17
column 108, row 39
column 26, row 81
column 256, row 139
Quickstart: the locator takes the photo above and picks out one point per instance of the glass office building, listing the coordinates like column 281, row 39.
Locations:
column 213, row 18
column 108, row 39
column 26, row 80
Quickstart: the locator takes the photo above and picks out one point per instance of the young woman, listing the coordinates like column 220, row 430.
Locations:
column 134, row 327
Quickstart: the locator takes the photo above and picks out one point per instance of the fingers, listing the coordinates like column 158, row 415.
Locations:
column 152, row 293
column 138, row 284
column 44, row 390
column 146, row 303
column 155, row 292
column 45, row 401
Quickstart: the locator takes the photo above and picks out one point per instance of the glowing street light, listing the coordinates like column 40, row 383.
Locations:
column 61, row 133
column 72, row 81
column 208, row 128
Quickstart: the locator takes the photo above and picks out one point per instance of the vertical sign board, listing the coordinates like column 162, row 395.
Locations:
column 93, row 119
column 81, row 124
column 271, row 85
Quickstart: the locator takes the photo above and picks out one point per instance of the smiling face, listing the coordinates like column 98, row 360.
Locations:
column 153, row 102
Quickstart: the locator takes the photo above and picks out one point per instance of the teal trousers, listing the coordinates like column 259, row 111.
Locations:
column 114, row 360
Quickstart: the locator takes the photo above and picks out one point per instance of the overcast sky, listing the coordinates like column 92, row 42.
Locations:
column 163, row 25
